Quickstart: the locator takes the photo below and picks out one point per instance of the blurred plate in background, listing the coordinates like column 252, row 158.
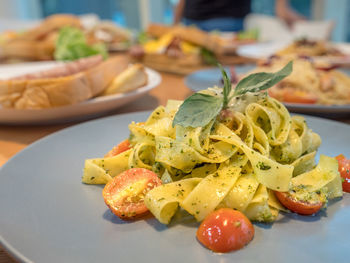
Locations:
column 260, row 50
column 206, row 78
column 80, row 111
column 266, row 49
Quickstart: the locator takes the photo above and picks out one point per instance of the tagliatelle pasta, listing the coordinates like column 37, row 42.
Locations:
column 309, row 83
column 311, row 48
column 235, row 161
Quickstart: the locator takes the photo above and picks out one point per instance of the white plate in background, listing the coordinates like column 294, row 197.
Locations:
column 84, row 110
column 202, row 79
column 263, row 50
column 260, row 50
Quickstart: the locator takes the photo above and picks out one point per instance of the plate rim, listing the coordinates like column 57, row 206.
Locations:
column 9, row 248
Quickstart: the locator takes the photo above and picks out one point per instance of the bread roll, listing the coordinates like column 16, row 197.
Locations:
column 158, row 30
column 38, row 43
column 50, row 24
column 195, row 36
column 130, row 79
column 54, row 92
column 185, row 64
column 28, row 50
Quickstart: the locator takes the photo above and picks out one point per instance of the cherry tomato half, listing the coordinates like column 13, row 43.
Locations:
column 224, row 230
column 299, row 97
column 121, row 147
column 344, row 170
column 124, row 195
column 298, row 206
column 292, row 96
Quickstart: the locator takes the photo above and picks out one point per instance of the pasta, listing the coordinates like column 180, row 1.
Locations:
column 235, row 161
column 309, row 83
column 305, row 47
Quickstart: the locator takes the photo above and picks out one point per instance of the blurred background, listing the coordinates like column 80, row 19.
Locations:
column 137, row 14
column 187, row 38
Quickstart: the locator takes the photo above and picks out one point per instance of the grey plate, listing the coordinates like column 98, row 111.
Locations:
column 203, row 79
column 48, row 215
column 206, row 78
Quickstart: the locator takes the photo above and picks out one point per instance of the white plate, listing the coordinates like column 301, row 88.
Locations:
column 48, row 215
column 264, row 50
column 261, row 50
column 212, row 77
column 13, row 70
column 84, row 110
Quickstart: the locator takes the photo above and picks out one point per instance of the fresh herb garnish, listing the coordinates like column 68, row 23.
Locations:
column 227, row 87
column 199, row 109
column 262, row 80
column 208, row 56
column 263, row 166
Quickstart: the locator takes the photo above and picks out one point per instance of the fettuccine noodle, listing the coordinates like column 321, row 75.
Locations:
column 308, row 80
column 234, row 162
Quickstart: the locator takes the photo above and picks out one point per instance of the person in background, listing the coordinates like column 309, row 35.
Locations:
column 225, row 15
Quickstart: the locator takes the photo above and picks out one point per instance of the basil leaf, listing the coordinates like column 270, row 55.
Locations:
column 262, row 80
column 208, row 56
column 227, row 86
column 198, row 110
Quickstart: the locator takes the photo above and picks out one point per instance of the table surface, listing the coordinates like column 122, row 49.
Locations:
column 15, row 138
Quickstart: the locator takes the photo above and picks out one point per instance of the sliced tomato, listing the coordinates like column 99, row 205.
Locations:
column 344, row 170
column 291, row 95
column 124, row 195
column 298, row 206
column 225, row 230
column 121, row 147
column 298, row 97
column 340, row 157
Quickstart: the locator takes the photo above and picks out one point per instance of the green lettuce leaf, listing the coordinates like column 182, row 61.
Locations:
column 71, row 45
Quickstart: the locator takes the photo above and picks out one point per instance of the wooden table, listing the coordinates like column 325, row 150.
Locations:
column 15, row 138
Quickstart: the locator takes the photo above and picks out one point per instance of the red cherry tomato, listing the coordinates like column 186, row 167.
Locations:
column 298, row 206
column 224, row 230
column 121, row 147
column 344, row 170
column 340, row 157
column 298, row 97
column 291, row 95
column 124, row 195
